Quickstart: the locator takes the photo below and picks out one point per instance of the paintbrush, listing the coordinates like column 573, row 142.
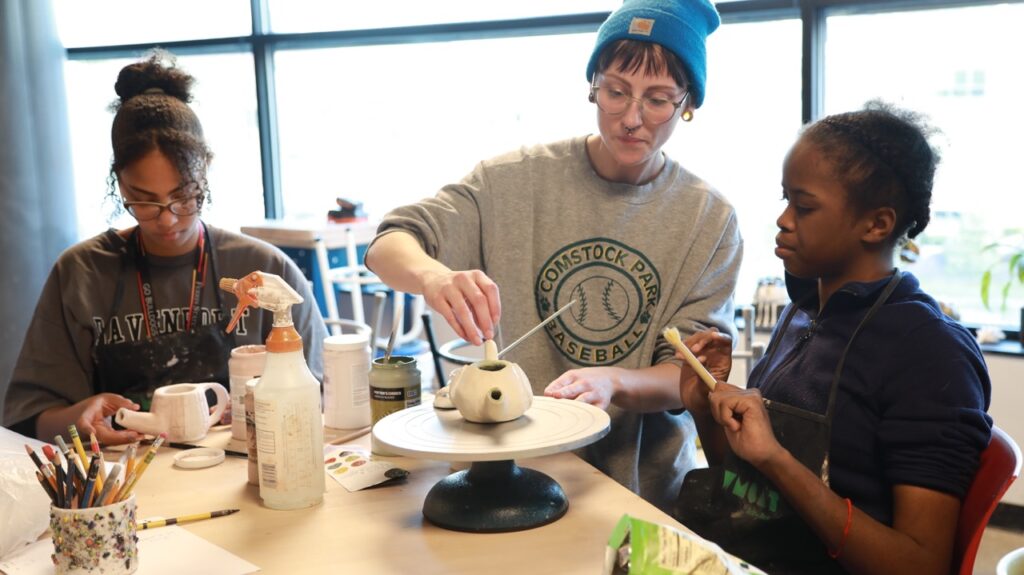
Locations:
column 350, row 435
column 671, row 335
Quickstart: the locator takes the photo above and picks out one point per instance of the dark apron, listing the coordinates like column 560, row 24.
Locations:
column 135, row 369
column 738, row 508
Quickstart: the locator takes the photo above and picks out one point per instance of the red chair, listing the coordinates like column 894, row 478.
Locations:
column 1000, row 465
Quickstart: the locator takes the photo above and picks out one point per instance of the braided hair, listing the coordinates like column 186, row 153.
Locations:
column 882, row 157
column 152, row 113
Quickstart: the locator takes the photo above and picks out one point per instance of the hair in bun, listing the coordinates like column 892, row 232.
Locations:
column 152, row 112
column 158, row 74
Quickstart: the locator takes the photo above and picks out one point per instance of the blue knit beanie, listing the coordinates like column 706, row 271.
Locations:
column 681, row 26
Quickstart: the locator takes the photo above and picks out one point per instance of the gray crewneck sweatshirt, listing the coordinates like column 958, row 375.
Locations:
column 547, row 229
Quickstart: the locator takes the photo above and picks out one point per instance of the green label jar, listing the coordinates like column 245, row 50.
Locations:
column 394, row 385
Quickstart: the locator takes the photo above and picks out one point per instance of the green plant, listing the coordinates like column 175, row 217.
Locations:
column 1011, row 258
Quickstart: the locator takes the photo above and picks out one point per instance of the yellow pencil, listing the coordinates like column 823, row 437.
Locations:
column 184, row 518
column 112, row 494
column 79, row 449
column 130, row 467
column 102, row 477
column 129, row 483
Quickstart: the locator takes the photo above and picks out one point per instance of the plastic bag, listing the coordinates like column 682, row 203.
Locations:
column 638, row 547
column 24, row 504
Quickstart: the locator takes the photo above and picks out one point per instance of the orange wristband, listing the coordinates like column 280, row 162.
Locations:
column 846, row 531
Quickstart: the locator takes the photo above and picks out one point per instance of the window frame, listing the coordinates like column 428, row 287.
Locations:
column 263, row 43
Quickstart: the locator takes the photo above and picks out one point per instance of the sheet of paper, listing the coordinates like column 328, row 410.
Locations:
column 355, row 468
column 162, row 551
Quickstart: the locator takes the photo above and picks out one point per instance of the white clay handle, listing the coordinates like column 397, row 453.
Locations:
column 223, row 400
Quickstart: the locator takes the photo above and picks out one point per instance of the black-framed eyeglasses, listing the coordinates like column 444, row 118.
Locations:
column 615, row 102
column 145, row 211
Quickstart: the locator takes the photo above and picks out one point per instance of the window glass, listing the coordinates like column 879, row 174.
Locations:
column 966, row 78
column 224, row 100
column 114, row 22
column 320, row 15
column 739, row 137
column 389, row 125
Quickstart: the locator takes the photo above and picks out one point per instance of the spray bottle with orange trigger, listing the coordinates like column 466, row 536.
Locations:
column 289, row 425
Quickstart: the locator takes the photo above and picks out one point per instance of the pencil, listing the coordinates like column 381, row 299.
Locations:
column 76, row 473
column 131, row 460
column 90, row 482
column 102, row 477
column 79, row 465
column 42, row 467
column 46, row 485
column 185, row 518
column 123, row 460
column 63, row 447
column 72, row 471
column 58, row 470
column 112, row 493
column 69, row 487
column 78, row 442
column 129, row 483
column 109, row 485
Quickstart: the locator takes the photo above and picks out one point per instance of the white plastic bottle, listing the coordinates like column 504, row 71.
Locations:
column 289, row 426
column 347, row 381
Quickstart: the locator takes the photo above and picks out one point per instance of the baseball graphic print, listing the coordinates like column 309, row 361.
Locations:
column 616, row 289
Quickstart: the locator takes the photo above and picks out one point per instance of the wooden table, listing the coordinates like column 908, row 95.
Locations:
column 382, row 530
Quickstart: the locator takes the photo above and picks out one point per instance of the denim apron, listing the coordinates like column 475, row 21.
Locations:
column 135, row 369
column 738, row 508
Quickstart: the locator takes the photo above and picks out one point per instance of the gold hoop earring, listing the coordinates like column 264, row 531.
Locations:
column 687, row 116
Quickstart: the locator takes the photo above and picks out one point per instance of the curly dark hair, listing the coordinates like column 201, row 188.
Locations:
column 882, row 157
column 152, row 113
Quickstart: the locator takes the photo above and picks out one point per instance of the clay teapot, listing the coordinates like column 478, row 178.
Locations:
column 491, row 390
column 179, row 410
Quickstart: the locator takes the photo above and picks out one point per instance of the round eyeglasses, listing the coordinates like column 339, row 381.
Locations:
column 145, row 211
column 615, row 102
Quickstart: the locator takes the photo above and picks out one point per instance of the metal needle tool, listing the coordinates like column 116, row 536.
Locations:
column 535, row 328
column 391, row 340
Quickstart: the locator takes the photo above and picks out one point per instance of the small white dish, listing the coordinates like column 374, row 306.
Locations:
column 199, row 458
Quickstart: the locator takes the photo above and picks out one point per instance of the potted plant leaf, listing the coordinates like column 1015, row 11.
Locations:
column 1010, row 251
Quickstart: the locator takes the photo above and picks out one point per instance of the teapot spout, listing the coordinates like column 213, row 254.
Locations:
column 496, row 406
column 148, row 423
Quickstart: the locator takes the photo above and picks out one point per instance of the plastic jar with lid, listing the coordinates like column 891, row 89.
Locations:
column 245, row 363
column 347, row 381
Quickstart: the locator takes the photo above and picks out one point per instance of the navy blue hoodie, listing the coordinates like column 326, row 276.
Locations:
column 913, row 394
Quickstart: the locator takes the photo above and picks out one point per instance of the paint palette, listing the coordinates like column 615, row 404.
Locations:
column 354, row 467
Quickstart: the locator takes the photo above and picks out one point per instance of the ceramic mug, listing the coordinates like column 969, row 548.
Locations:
column 95, row 540
column 179, row 410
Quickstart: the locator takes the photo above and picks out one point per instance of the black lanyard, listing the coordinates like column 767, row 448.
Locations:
column 145, row 287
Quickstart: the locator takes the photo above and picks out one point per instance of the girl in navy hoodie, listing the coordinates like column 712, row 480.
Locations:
column 862, row 427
